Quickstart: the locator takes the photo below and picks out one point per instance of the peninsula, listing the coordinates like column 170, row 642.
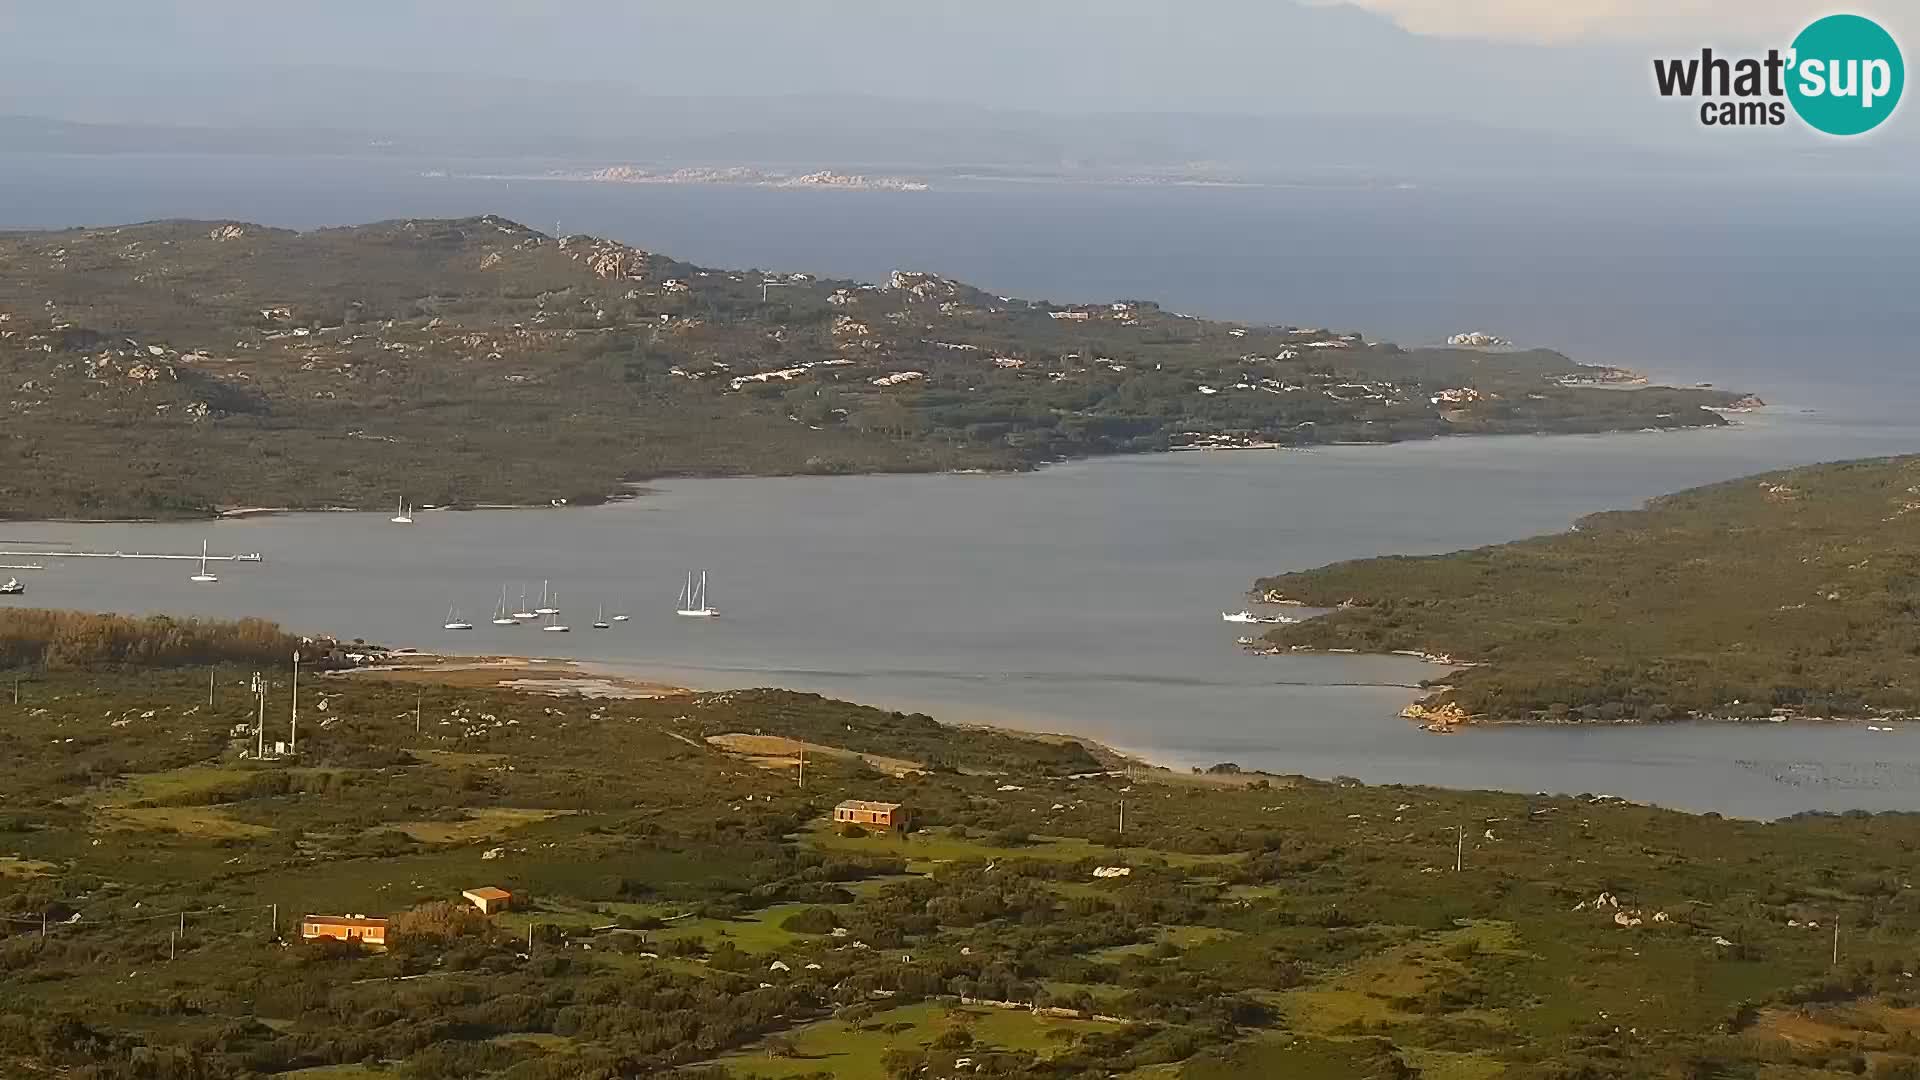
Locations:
column 182, row 368
column 1792, row 594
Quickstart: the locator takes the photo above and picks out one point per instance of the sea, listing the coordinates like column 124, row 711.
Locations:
column 1086, row 597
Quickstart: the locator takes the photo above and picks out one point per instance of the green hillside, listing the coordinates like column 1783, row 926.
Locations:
column 1796, row 592
column 177, row 368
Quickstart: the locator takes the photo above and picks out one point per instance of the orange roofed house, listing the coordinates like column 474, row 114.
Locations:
column 366, row 931
column 877, row 815
column 489, row 899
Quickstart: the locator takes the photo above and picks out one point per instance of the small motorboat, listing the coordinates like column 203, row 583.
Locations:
column 12, row 588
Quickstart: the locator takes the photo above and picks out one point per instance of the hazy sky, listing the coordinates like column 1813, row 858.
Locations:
column 1571, row 67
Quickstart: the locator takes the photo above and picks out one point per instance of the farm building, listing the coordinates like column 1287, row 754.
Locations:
column 489, row 899
column 878, row 815
column 358, row 928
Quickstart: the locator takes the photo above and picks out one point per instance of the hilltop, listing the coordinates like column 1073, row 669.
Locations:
column 1794, row 593
column 183, row 367
column 681, row 906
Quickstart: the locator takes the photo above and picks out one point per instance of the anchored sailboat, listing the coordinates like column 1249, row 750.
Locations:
column 203, row 576
column 546, row 602
column 402, row 515
column 500, row 616
column 525, row 612
column 601, row 623
column 554, row 625
column 693, row 599
column 454, row 622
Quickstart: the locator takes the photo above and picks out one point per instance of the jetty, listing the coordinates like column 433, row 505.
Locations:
column 195, row 557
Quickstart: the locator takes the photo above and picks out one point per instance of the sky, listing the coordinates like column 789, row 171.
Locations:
column 1575, row 68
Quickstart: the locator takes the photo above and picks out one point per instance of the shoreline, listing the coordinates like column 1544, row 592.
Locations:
column 635, row 489
column 562, row 676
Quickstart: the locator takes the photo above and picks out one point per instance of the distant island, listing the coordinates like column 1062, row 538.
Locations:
column 1792, row 594
column 184, row 368
column 733, row 175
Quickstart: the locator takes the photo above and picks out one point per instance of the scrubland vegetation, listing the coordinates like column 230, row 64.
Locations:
column 682, row 910
column 1792, row 593
column 179, row 368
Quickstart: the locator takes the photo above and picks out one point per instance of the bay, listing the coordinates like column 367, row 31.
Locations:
column 1084, row 598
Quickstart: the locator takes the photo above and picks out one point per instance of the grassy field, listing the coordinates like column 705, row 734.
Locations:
column 707, row 917
column 856, row 1050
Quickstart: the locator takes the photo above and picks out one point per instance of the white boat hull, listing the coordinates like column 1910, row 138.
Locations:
column 698, row 613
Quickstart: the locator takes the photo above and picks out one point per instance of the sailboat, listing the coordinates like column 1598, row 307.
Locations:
column 601, row 622
column 454, row 622
column 554, row 625
column 546, row 602
column 693, row 599
column 523, row 613
column 203, row 577
column 500, row 616
column 401, row 515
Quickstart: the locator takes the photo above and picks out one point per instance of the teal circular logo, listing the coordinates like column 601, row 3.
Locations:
column 1846, row 75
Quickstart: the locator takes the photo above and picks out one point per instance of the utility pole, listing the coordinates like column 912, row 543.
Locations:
column 529, row 939
column 183, row 924
column 803, row 767
column 1459, row 846
column 210, row 674
column 260, row 728
column 1123, row 817
column 293, row 729
column 417, row 696
column 1836, row 941
column 274, row 931
column 16, row 689
column 172, row 938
